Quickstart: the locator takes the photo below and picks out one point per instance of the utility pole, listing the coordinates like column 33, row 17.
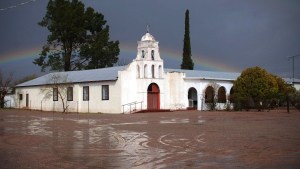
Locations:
column 293, row 57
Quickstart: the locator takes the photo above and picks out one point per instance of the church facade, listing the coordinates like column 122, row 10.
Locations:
column 144, row 84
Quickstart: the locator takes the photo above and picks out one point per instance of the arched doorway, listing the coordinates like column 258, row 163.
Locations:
column 209, row 94
column 153, row 97
column 231, row 95
column 222, row 95
column 193, row 98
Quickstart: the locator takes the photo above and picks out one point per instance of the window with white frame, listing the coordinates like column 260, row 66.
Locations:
column 105, row 92
column 86, row 93
column 55, row 94
column 70, row 93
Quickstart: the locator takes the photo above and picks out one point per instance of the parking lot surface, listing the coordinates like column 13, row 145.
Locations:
column 181, row 139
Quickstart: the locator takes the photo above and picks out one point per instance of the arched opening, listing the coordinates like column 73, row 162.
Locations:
column 153, row 71
column 143, row 54
column 159, row 71
column 222, row 95
column 193, row 98
column 231, row 95
column 145, row 71
column 209, row 94
column 153, row 97
column 137, row 71
column 152, row 54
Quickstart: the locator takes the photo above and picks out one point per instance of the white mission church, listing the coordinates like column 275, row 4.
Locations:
column 144, row 84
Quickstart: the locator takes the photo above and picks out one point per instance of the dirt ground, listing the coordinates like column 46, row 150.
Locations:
column 186, row 139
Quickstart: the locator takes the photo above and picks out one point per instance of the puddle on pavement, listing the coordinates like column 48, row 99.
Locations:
column 96, row 144
column 174, row 120
column 92, row 143
column 199, row 120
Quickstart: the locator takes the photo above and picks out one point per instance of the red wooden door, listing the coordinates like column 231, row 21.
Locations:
column 153, row 99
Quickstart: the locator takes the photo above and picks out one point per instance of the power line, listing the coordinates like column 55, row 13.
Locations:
column 293, row 57
column 17, row 5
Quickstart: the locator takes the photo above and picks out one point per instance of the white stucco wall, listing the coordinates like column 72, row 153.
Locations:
column 204, row 83
column 297, row 86
column 134, row 87
column 95, row 104
column 10, row 101
column 175, row 97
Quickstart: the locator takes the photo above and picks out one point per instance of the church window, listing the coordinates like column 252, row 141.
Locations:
column 152, row 54
column 105, row 92
column 153, row 71
column 143, row 54
column 55, row 94
column 86, row 93
column 70, row 93
column 20, row 96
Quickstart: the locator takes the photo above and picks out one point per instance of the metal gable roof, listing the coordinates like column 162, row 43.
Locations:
column 111, row 73
column 206, row 74
column 290, row 80
column 80, row 76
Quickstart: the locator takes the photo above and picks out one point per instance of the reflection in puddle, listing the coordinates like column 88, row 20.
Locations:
column 182, row 120
column 120, row 124
column 175, row 120
column 28, row 126
column 86, row 121
column 96, row 144
column 90, row 142
column 38, row 127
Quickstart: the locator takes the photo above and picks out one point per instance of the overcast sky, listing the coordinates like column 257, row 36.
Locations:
column 228, row 35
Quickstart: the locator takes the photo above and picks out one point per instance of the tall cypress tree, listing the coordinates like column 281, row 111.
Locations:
column 187, row 62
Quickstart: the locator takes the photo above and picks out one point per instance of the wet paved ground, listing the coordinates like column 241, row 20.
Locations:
column 31, row 139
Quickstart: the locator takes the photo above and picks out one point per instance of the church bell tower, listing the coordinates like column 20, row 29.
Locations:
column 149, row 63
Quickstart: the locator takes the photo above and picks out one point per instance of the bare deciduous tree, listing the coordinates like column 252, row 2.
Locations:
column 211, row 97
column 58, row 82
column 5, row 86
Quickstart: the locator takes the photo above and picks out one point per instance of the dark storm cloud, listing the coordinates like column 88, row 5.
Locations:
column 238, row 33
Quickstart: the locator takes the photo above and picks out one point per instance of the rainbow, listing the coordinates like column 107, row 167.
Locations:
column 201, row 61
column 128, row 50
column 19, row 55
